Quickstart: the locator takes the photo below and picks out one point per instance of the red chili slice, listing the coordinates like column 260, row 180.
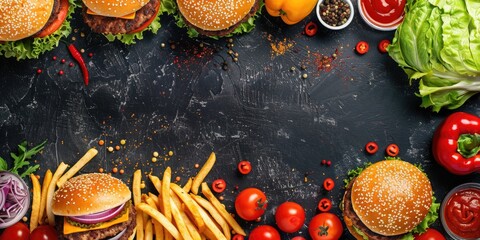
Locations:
column 219, row 185
column 311, row 29
column 392, row 150
column 244, row 167
column 382, row 45
column 362, row 47
column 328, row 184
column 324, row 205
column 371, row 147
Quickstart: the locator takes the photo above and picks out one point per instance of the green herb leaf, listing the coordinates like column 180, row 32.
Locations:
column 3, row 164
column 20, row 159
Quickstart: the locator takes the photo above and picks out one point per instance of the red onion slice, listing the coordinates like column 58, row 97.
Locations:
column 15, row 199
column 99, row 217
column 119, row 235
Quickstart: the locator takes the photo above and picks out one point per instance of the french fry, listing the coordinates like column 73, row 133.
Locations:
column 92, row 152
column 51, row 191
column 221, row 209
column 43, row 201
column 192, row 229
column 156, row 182
column 182, row 227
column 137, row 199
column 140, row 235
column 214, row 213
column 210, row 225
column 203, row 173
column 157, row 227
column 190, row 203
column 165, row 196
column 160, row 218
column 188, row 185
column 148, row 230
column 36, row 198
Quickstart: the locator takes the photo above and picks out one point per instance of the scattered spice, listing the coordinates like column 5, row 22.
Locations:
column 110, row 149
column 61, row 72
column 154, row 159
column 280, row 47
column 117, row 147
column 115, row 170
column 162, row 45
column 70, row 64
column 304, row 76
column 39, row 71
column 155, row 154
column 123, row 142
column 335, row 12
column 177, row 178
column 100, row 170
column 63, row 60
column 197, row 165
column 54, row 58
column 101, row 142
column 90, row 54
column 122, row 171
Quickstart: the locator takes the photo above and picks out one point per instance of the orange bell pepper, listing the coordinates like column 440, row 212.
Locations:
column 291, row 11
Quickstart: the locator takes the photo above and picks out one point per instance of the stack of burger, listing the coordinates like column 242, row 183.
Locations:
column 30, row 28
column 94, row 206
column 390, row 199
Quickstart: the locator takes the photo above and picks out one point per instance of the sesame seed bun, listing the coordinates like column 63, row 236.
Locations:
column 114, row 8
column 89, row 193
column 391, row 197
column 20, row 19
column 215, row 15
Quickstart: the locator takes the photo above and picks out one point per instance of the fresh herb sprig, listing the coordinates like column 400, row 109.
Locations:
column 20, row 160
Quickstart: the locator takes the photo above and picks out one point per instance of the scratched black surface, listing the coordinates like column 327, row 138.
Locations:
column 180, row 100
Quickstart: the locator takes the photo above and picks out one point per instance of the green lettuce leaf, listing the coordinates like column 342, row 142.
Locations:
column 439, row 44
column 34, row 47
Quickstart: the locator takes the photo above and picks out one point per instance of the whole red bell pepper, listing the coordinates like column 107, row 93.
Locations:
column 456, row 143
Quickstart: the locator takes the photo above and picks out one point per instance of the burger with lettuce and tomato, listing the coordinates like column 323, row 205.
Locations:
column 389, row 199
column 30, row 28
column 125, row 21
column 94, row 206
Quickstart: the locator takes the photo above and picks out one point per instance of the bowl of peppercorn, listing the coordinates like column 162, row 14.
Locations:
column 335, row 14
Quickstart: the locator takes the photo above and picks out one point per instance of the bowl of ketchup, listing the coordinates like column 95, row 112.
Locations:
column 460, row 212
column 384, row 15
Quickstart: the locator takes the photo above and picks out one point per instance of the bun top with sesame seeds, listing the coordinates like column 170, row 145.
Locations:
column 114, row 8
column 391, row 197
column 89, row 193
column 215, row 15
column 20, row 19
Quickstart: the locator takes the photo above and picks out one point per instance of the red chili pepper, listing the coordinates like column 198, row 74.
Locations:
column 392, row 150
column 78, row 57
column 328, row 184
column 371, row 147
column 456, row 143
column 311, row 29
column 324, row 205
column 219, row 185
column 238, row 237
column 383, row 45
column 361, row 47
column 244, row 167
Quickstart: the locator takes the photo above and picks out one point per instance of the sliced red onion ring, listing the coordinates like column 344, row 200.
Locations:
column 15, row 199
column 99, row 217
column 119, row 235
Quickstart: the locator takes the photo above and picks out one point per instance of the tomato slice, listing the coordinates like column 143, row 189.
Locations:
column 219, row 185
column 55, row 25
column 371, row 147
column 324, row 205
column 244, row 167
column 361, row 47
column 382, row 45
column 392, row 150
column 328, row 184
column 147, row 23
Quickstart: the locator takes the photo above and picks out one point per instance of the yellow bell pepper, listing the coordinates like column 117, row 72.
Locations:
column 291, row 11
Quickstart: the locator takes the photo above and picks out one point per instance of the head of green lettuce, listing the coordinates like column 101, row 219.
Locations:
column 31, row 28
column 438, row 43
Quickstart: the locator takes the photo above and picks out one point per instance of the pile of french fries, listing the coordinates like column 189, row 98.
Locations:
column 42, row 195
column 177, row 212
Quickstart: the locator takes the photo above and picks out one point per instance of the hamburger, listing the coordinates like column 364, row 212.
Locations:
column 125, row 21
column 94, row 206
column 390, row 199
column 30, row 28
column 216, row 18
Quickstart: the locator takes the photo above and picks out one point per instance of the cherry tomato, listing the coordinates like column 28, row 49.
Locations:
column 44, row 232
column 219, row 185
column 250, row 204
column 264, row 232
column 382, row 45
column 298, row 238
column 324, row 205
column 238, row 237
column 325, row 226
column 361, row 47
column 371, row 147
column 430, row 234
column 392, row 150
column 311, row 29
column 18, row 231
column 244, row 167
column 290, row 217
column 328, row 184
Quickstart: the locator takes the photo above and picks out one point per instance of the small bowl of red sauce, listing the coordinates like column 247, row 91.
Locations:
column 335, row 14
column 383, row 15
column 460, row 212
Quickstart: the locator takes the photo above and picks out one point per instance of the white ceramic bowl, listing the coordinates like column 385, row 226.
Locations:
column 444, row 204
column 349, row 20
column 376, row 25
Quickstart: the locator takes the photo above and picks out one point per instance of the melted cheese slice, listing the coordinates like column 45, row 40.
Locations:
column 128, row 16
column 69, row 228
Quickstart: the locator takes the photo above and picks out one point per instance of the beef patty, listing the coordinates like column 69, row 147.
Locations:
column 350, row 213
column 229, row 30
column 103, row 233
column 103, row 24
